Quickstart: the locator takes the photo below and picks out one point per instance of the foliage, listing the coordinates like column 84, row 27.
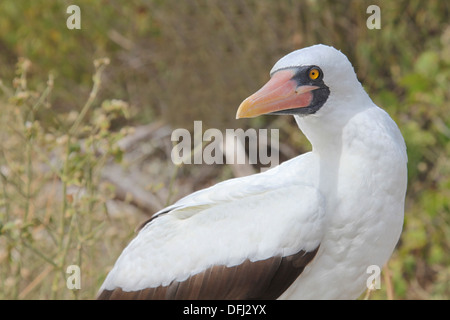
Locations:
column 181, row 61
column 41, row 236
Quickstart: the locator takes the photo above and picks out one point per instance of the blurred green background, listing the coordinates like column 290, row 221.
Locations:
column 173, row 62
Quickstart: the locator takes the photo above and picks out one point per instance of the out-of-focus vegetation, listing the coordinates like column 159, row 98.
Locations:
column 179, row 61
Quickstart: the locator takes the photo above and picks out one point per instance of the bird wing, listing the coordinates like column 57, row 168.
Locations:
column 245, row 238
column 264, row 279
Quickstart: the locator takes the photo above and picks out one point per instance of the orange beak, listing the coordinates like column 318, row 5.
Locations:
column 280, row 93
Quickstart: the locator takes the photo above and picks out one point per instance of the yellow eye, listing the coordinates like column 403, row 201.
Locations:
column 314, row 73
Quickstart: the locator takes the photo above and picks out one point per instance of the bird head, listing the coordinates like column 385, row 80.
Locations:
column 303, row 83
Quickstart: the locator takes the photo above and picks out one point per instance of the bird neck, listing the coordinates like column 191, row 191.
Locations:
column 325, row 128
column 325, row 131
column 326, row 140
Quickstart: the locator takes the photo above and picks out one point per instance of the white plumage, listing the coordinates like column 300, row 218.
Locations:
column 345, row 197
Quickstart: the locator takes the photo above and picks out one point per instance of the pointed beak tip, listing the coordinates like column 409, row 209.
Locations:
column 241, row 112
column 239, row 115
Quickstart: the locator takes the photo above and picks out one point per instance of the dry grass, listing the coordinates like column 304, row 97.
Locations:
column 53, row 211
column 175, row 62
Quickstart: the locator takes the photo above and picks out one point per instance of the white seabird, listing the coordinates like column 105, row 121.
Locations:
column 307, row 229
